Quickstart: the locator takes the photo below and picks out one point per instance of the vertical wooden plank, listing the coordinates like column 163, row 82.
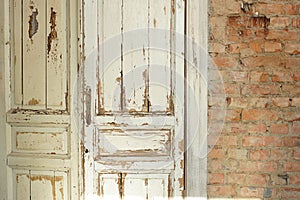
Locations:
column 135, row 188
column 22, row 186
column 110, row 58
column 18, row 52
column 135, row 56
column 56, row 54
column 157, row 188
column 160, row 70
column 109, row 186
column 42, row 185
column 61, row 186
column 34, row 53
column 196, row 162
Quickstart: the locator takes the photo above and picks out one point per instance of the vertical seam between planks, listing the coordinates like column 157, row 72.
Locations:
column 122, row 99
column 46, row 57
column 22, row 65
column 147, row 97
column 185, row 96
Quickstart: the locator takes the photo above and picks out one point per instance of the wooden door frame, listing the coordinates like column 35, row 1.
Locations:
column 197, row 31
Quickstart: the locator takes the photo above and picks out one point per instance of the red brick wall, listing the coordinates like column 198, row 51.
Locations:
column 257, row 51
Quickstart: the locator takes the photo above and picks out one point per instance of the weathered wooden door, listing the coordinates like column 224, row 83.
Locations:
column 133, row 99
column 39, row 133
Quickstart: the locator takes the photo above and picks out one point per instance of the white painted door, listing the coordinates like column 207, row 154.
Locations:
column 39, row 133
column 133, row 99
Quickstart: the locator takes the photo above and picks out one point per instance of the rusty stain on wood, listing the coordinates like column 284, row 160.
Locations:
column 146, row 105
column 173, row 7
column 154, row 22
column 120, row 184
column 33, row 102
column 33, row 23
column 88, row 102
column 165, row 10
column 118, row 79
column 53, row 34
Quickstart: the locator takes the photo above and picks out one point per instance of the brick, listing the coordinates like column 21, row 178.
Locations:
column 257, row 128
column 282, row 76
column 277, row 154
column 220, row 191
column 259, row 76
column 218, row 33
column 292, row 48
column 292, row 116
column 292, row 9
column 279, row 22
column 214, row 165
column 215, row 178
column 259, row 154
column 257, row 166
column 296, row 22
column 273, row 47
column 279, row 128
column 297, row 76
column 217, row 153
column 296, row 154
column 239, row 154
column 273, row 9
column 216, row 48
column 292, row 166
column 231, row 164
column 238, row 76
column 256, row 46
column 230, row 140
column 236, row 48
column 293, row 63
column 281, row 102
column 233, row 102
column 256, row 89
column 236, row 128
column 218, row 21
column 231, row 89
column 291, row 89
column 256, row 180
column 258, row 102
column 236, row 178
column 279, row 179
column 251, row 192
column 259, row 141
column 287, row 35
column 225, row 61
column 296, row 128
column 291, row 193
column 233, row 115
column 217, row 7
column 295, row 179
column 246, row 52
column 232, row 7
column 292, row 141
column 262, row 61
column 260, row 115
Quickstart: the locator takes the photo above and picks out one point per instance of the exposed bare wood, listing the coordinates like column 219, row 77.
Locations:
column 56, row 54
column 34, row 53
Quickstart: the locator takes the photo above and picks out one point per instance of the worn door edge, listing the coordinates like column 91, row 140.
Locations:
column 4, row 88
column 196, row 152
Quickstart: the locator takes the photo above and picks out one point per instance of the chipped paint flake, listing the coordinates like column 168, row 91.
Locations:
column 33, row 23
column 53, row 34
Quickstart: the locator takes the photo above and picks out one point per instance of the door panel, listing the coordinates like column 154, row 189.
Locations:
column 40, row 105
column 40, row 54
column 133, row 137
